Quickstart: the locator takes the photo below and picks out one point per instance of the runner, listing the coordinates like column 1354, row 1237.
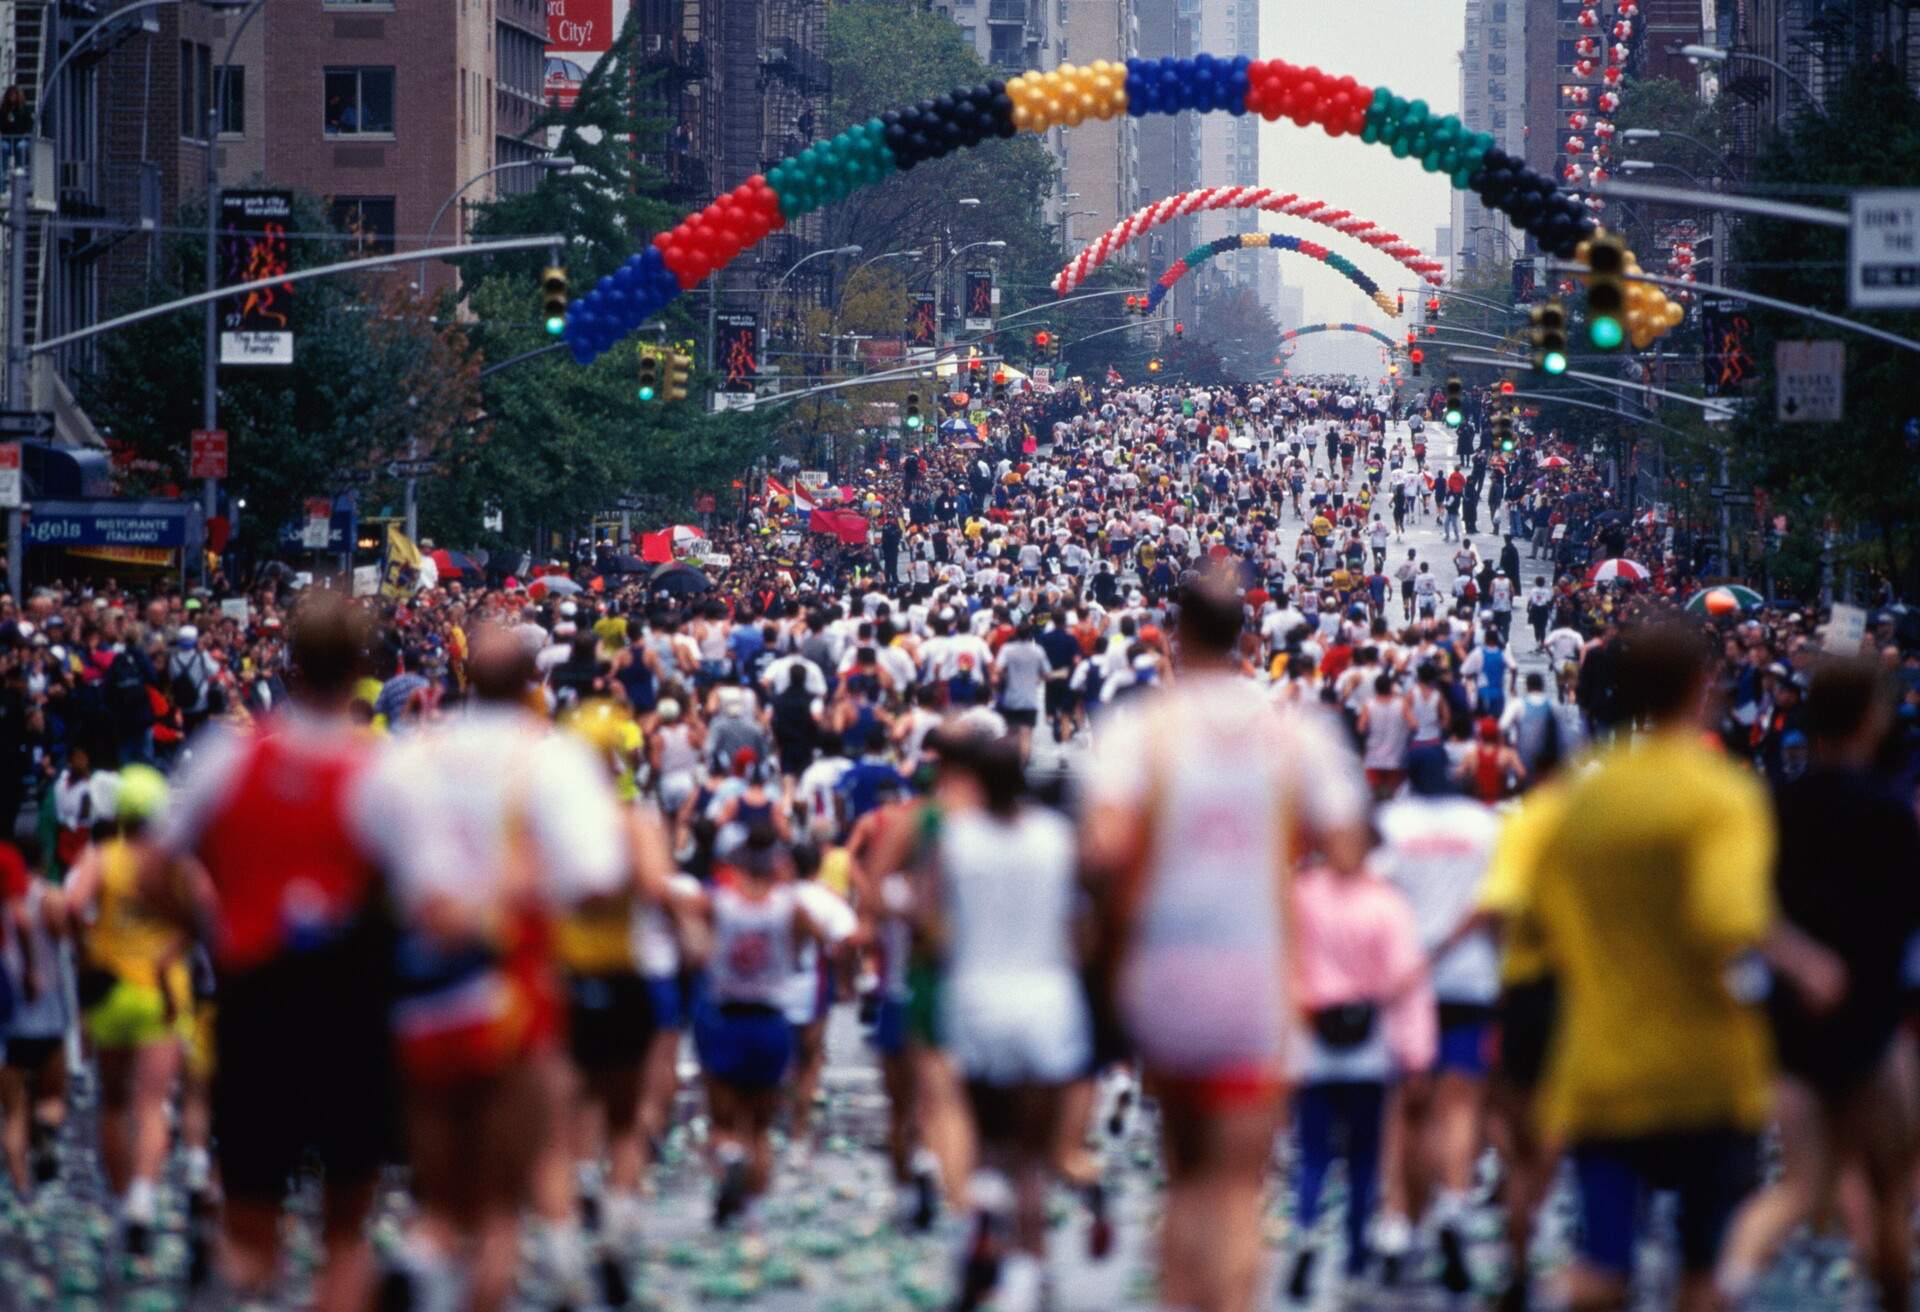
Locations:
column 1200, row 973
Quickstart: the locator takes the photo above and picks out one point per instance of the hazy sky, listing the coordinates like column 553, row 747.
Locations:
column 1410, row 46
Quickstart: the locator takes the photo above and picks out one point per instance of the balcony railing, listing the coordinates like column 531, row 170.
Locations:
column 1007, row 11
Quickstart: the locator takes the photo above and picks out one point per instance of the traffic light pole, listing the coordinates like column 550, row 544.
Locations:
column 1715, row 408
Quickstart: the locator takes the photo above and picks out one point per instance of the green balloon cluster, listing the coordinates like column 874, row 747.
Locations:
column 829, row 171
column 1441, row 143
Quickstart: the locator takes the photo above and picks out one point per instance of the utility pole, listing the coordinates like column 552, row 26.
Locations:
column 17, row 360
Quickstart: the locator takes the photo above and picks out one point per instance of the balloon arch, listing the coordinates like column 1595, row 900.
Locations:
column 1242, row 241
column 867, row 153
column 1362, row 328
column 1263, row 199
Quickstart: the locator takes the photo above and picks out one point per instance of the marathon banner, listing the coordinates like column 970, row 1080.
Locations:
column 1726, row 336
column 978, row 306
column 736, row 349
column 256, row 327
column 922, row 326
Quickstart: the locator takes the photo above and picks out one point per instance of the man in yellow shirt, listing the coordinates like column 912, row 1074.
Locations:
column 1648, row 886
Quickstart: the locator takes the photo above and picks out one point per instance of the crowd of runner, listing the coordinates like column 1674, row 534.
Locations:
column 1138, row 762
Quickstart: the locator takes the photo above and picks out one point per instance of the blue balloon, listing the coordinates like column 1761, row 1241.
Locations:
column 605, row 284
column 581, row 351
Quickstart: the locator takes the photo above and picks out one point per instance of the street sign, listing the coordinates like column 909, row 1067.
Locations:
column 209, row 453
column 10, row 480
column 631, row 501
column 26, row 423
column 1807, row 381
column 410, row 468
column 1883, row 250
column 1720, row 490
column 319, row 523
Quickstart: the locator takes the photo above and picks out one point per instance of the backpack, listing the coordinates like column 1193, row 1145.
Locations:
column 126, row 684
column 181, row 688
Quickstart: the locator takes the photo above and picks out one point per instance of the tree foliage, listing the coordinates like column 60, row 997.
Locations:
column 1858, row 475
column 374, row 374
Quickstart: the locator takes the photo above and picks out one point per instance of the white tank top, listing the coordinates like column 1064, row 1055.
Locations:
column 45, row 1016
column 1386, row 735
column 753, row 954
column 1009, row 889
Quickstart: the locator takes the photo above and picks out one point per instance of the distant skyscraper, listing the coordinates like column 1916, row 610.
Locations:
column 1493, row 99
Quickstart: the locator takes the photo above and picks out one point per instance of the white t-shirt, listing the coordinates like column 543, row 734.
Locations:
column 1435, row 850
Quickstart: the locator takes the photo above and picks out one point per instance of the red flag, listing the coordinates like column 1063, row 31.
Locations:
column 657, row 547
column 848, row 527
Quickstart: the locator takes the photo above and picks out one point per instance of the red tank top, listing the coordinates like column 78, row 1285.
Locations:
column 1489, row 780
column 279, row 848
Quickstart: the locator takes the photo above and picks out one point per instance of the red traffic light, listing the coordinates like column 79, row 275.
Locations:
column 1043, row 339
column 1409, row 337
column 1431, row 330
column 999, row 377
column 1418, row 356
column 1506, row 387
column 1433, row 305
column 1179, row 329
column 1400, row 301
column 975, row 366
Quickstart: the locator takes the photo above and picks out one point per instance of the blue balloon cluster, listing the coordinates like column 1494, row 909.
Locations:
column 1168, row 85
column 619, row 303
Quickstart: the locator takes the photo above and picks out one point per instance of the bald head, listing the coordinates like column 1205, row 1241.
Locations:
column 499, row 666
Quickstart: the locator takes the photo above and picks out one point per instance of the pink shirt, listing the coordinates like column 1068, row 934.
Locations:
column 1355, row 940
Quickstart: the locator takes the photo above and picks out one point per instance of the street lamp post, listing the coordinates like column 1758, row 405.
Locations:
column 1702, row 54
column 940, row 278
column 773, row 292
column 551, row 163
column 839, row 304
column 210, row 336
column 1661, row 134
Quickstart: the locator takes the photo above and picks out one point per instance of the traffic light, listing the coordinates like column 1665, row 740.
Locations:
column 1549, row 332
column 649, row 372
column 1456, row 404
column 553, row 299
column 1043, row 342
column 999, row 383
column 1400, row 302
column 1606, row 295
column 1506, row 434
column 914, row 420
column 1179, row 329
column 1506, row 387
column 1153, row 366
column 1418, row 357
column 1433, row 307
column 679, row 374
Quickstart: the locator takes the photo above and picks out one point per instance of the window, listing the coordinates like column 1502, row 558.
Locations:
column 196, row 89
column 1496, row 63
column 369, row 219
column 522, row 62
column 231, row 85
column 359, row 101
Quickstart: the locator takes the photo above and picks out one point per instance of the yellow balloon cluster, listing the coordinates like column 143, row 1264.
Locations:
column 1069, row 95
column 1388, row 302
column 1254, row 239
column 1650, row 313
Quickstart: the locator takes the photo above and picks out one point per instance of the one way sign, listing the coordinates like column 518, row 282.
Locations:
column 1808, row 381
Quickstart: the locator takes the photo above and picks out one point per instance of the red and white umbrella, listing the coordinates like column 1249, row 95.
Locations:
column 1555, row 462
column 669, row 543
column 1618, row 570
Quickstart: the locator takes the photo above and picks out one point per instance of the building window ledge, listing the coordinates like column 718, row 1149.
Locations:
column 358, row 6
column 352, row 138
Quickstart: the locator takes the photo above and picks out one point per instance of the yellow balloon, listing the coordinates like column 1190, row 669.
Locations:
column 1072, row 116
column 1022, row 117
column 1676, row 314
column 1584, row 252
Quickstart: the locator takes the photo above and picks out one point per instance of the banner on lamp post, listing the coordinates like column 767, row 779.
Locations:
column 977, row 308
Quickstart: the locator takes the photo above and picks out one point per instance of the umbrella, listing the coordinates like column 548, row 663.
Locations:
column 955, row 425
column 556, row 585
column 676, row 577
column 621, row 563
column 455, row 564
column 1738, row 597
column 1555, row 462
column 1619, row 569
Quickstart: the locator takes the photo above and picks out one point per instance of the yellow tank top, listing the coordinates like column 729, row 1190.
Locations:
column 125, row 938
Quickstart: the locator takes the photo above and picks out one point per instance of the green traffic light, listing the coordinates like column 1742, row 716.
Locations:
column 1606, row 332
column 1455, row 419
column 914, row 421
column 646, row 394
column 1554, row 362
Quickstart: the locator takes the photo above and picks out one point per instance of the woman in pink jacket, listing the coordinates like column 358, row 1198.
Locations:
column 1360, row 980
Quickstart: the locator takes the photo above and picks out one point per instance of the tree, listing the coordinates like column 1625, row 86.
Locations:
column 887, row 55
column 1238, row 326
column 373, row 376
column 1857, row 475
column 567, row 441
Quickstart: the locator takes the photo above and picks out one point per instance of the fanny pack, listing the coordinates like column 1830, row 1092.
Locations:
column 1346, row 1026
